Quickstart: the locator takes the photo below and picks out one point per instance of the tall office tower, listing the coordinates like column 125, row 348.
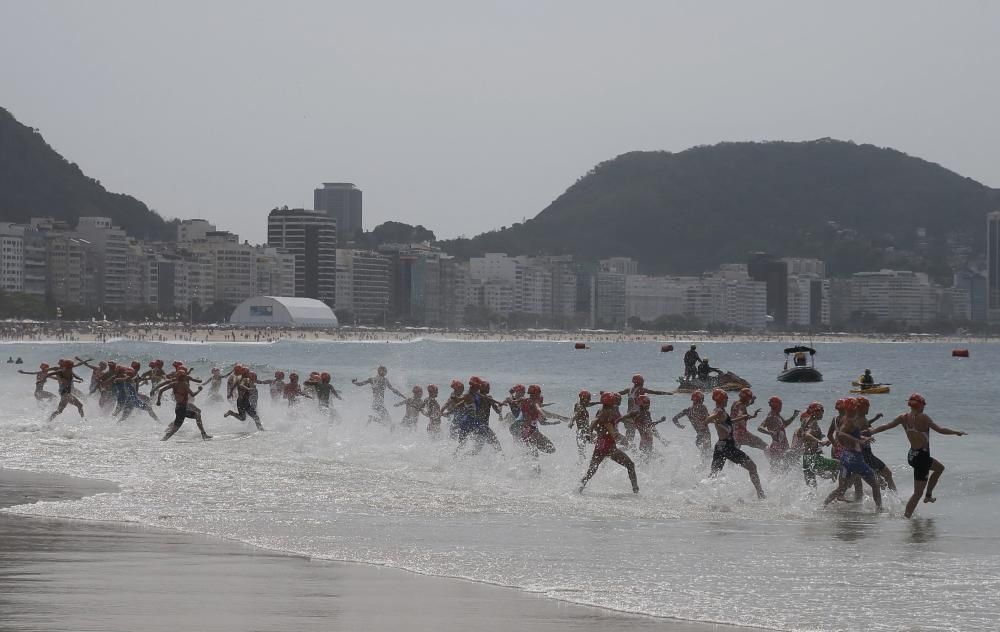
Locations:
column 341, row 201
column 312, row 237
column 773, row 272
column 993, row 265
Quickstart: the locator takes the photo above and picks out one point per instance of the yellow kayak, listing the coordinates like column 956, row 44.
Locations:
column 875, row 390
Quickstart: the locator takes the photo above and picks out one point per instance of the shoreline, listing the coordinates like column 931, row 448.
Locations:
column 679, row 340
column 115, row 576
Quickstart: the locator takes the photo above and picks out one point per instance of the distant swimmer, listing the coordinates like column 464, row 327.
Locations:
column 633, row 393
column 697, row 414
column 645, row 426
column 414, row 404
column 246, row 400
column 432, row 410
column 474, row 415
column 581, row 419
column 180, row 385
column 514, row 418
column 774, row 425
column 293, row 390
column 534, row 416
column 605, row 430
column 379, row 383
column 215, row 384
column 42, row 375
column 277, row 386
column 726, row 448
column 129, row 384
column 324, row 390
column 66, row 378
column 852, row 458
column 917, row 426
column 877, row 464
column 837, row 449
column 808, row 440
column 455, row 407
column 738, row 411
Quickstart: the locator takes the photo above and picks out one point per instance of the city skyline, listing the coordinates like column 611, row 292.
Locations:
column 221, row 126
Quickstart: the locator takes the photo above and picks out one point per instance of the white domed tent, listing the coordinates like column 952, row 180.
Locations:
column 283, row 311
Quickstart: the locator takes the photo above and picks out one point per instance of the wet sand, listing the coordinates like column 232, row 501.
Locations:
column 111, row 577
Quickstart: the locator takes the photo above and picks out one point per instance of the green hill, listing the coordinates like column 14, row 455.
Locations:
column 36, row 181
column 859, row 207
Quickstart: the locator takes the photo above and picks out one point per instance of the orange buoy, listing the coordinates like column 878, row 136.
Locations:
column 960, row 353
column 666, row 348
column 579, row 345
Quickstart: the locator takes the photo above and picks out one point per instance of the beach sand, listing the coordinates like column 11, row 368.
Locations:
column 110, row 577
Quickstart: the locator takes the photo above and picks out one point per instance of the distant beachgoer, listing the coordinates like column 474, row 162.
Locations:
column 917, row 426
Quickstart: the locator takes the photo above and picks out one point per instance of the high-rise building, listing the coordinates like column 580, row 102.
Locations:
column 774, row 272
column 190, row 230
column 109, row 253
column 342, row 202
column 993, row 265
column 311, row 236
column 619, row 265
column 607, row 300
column 363, row 285
column 12, row 258
column 975, row 284
column 899, row 295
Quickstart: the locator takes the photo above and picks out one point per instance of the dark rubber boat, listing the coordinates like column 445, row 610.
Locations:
column 800, row 371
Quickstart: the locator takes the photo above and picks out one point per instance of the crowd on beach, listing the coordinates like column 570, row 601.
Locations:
column 110, row 331
column 611, row 434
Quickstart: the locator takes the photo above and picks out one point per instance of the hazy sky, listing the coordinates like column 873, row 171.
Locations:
column 466, row 115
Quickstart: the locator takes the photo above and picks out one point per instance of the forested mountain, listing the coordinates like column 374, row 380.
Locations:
column 36, row 181
column 859, row 207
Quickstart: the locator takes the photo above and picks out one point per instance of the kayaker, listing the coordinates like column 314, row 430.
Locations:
column 691, row 359
column 867, row 380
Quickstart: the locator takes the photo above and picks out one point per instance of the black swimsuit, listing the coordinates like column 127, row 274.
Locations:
column 726, row 449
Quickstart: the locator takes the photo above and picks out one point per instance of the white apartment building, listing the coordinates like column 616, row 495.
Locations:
column 808, row 300
column 894, row 295
column 363, row 285
column 190, row 230
column 110, row 249
column 11, row 258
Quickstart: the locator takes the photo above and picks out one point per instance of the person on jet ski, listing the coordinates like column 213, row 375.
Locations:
column 691, row 359
column 704, row 369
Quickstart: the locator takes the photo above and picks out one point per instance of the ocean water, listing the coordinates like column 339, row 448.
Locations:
column 687, row 547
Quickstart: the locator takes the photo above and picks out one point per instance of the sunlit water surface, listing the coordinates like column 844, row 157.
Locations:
column 686, row 547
